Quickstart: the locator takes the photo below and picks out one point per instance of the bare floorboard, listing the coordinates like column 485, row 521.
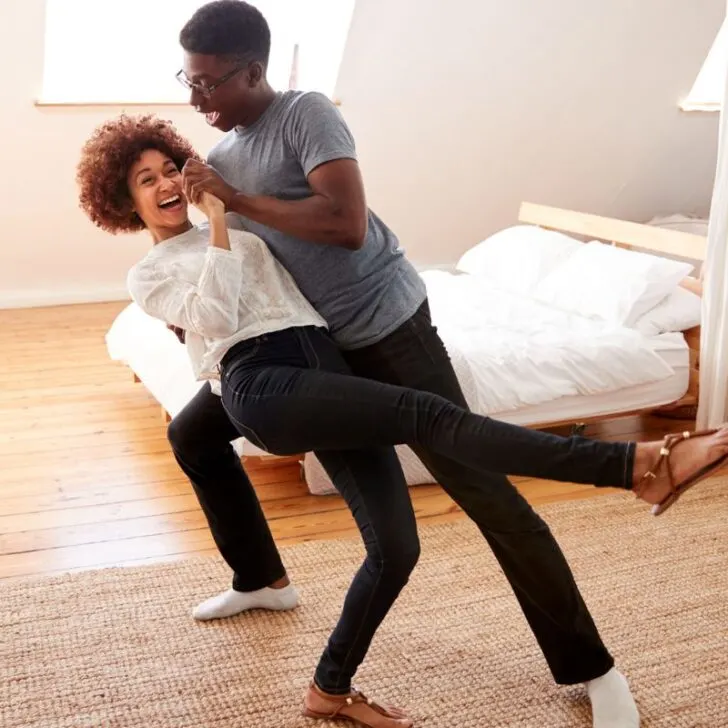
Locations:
column 88, row 480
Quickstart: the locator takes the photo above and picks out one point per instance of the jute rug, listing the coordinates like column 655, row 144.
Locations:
column 118, row 647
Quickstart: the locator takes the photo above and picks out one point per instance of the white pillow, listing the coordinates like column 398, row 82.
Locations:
column 680, row 311
column 517, row 258
column 610, row 283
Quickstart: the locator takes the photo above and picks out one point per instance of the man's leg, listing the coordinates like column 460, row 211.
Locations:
column 530, row 557
column 200, row 436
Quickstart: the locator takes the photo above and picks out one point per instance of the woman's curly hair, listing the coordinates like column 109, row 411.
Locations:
column 106, row 159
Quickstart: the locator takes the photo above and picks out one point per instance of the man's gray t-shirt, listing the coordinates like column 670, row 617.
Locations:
column 363, row 295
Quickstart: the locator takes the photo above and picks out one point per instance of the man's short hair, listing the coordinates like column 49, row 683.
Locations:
column 230, row 28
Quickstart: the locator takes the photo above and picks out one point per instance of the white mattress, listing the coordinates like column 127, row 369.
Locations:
column 670, row 347
column 153, row 353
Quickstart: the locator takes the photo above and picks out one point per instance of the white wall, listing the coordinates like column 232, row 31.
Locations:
column 50, row 252
column 485, row 104
column 462, row 109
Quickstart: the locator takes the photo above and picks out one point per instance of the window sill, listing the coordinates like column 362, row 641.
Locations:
column 692, row 106
column 91, row 104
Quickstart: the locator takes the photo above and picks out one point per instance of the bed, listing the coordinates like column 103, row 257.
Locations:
column 535, row 339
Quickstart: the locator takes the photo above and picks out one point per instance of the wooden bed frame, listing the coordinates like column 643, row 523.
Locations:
column 628, row 235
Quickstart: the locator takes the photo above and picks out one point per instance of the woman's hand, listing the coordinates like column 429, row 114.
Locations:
column 209, row 205
column 214, row 208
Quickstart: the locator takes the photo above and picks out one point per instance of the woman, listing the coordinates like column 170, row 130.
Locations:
column 285, row 386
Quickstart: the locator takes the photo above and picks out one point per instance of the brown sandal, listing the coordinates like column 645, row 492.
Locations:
column 339, row 707
column 664, row 459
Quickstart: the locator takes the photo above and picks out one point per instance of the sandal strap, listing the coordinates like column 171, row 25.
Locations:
column 372, row 704
column 354, row 697
column 663, row 459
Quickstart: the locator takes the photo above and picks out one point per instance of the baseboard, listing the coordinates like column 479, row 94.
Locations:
column 38, row 299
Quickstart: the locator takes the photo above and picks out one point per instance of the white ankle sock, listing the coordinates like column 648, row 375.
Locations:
column 233, row 602
column 612, row 703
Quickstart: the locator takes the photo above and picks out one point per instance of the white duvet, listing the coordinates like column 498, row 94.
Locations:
column 511, row 352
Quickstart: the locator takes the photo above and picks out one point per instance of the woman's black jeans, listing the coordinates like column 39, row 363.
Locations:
column 292, row 391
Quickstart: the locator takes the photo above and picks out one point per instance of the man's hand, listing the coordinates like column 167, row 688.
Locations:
column 178, row 332
column 198, row 177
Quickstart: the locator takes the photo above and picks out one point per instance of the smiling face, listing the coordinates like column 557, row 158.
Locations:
column 155, row 187
column 228, row 92
column 226, row 49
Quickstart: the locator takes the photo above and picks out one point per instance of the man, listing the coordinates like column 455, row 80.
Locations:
column 287, row 170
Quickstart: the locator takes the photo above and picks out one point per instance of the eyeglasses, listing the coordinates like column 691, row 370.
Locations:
column 204, row 89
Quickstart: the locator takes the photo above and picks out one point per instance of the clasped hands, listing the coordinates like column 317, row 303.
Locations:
column 198, row 178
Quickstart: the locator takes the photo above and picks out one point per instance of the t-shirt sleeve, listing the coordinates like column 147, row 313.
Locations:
column 317, row 133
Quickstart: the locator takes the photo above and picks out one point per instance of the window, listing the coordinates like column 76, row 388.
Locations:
column 709, row 87
column 127, row 51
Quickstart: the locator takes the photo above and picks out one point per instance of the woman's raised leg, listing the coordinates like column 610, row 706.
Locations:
column 288, row 410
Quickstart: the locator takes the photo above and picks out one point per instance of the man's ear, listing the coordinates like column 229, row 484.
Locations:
column 255, row 73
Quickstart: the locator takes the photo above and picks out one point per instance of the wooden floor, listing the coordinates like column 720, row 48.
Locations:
column 87, row 478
